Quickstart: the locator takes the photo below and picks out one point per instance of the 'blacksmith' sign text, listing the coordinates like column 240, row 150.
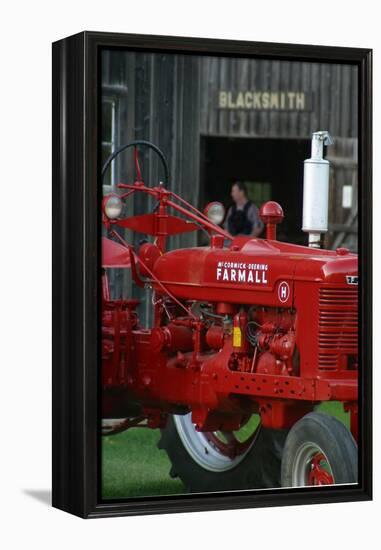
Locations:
column 278, row 101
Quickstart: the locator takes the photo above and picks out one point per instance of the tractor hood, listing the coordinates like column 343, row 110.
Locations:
column 251, row 271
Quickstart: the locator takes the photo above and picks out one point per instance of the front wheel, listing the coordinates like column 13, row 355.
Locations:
column 319, row 450
column 222, row 461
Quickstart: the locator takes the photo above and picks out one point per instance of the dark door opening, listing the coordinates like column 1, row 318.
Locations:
column 271, row 168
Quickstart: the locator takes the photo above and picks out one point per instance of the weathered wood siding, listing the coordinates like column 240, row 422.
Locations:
column 163, row 106
column 332, row 88
column 343, row 157
column 172, row 101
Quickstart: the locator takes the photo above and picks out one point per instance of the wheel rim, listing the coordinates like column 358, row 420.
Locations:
column 213, row 451
column 311, row 467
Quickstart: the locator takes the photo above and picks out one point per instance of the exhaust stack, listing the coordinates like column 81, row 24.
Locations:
column 315, row 190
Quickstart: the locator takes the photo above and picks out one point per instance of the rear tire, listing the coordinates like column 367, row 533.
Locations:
column 259, row 466
column 319, row 450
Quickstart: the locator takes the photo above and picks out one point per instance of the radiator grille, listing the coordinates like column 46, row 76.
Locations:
column 338, row 325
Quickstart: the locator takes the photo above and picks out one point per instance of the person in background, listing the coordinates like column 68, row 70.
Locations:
column 243, row 216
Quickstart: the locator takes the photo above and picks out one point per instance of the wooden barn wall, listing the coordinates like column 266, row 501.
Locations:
column 332, row 88
column 116, row 85
column 163, row 107
column 343, row 158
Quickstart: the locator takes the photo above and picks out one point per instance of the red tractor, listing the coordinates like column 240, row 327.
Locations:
column 248, row 337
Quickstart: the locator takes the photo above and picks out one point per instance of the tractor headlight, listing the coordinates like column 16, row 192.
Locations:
column 112, row 206
column 215, row 211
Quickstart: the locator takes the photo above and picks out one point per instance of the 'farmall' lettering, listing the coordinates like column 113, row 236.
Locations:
column 241, row 272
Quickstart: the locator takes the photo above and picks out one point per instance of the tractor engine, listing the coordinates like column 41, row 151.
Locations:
column 284, row 336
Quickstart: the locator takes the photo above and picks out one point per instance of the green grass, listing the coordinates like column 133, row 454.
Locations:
column 133, row 466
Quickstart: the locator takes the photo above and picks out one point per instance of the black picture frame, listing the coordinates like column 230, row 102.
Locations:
column 76, row 253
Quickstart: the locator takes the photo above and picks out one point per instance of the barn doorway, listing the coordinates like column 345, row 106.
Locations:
column 271, row 168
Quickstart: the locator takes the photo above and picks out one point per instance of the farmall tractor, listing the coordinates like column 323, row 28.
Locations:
column 249, row 335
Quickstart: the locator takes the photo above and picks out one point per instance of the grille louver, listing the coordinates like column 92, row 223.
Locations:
column 338, row 325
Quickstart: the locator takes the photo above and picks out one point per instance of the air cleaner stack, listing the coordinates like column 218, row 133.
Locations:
column 315, row 190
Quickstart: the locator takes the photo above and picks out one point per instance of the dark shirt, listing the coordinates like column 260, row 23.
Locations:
column 252, row 216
